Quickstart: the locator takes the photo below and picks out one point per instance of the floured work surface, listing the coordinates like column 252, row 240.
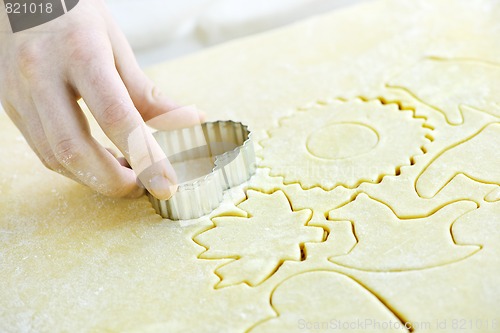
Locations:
column 376, row 202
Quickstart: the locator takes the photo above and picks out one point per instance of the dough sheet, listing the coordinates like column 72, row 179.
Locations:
column 376, row 201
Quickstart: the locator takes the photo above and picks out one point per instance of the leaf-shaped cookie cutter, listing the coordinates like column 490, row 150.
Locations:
column 228, row 143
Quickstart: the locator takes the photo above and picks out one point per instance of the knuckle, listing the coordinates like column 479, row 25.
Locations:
column 82, row 44
column 28, row 59
column 75, row 36
column 114, row 114
column 48, row 159
column 51, row 162
column 149, row 93
column 68, row 151
column 82, row 57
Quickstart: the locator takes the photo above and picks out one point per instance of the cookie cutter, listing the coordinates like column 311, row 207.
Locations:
column 229, row 148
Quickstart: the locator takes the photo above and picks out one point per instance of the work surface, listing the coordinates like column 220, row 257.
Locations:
column 376, row 202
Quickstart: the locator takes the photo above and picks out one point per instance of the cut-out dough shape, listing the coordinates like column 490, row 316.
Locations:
column 271, row 234
column 399, row 194
column 493, row 195
column 361, row 139
column 327, row 301
column 340, row 238
column 460, row 82
column 480, row 226
column 343, row 143
column 464, row 158
column 73, row 261
column 387, row 243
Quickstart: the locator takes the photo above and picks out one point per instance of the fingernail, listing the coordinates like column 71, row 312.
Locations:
column 161, row 188
column 202, row 115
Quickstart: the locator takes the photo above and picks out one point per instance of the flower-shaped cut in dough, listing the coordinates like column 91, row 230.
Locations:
column 343, row 143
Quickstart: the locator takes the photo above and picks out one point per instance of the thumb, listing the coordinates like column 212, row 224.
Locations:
column 147, row 98
column 158, row 110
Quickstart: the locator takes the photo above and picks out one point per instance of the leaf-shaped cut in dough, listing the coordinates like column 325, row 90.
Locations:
column 259, row 244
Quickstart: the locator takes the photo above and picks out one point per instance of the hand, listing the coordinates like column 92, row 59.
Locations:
column 46, row 69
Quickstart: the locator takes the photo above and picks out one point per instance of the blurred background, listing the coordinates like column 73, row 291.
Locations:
column 160, row 30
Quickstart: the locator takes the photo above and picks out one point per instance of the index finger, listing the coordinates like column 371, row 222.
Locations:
column 106, row 96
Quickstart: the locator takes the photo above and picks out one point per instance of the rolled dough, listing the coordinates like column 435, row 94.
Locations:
column 401, row 229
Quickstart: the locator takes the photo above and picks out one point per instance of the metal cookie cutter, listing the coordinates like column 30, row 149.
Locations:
column 208, row 159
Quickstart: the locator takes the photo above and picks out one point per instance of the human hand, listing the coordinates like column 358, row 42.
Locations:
column 46, row 69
